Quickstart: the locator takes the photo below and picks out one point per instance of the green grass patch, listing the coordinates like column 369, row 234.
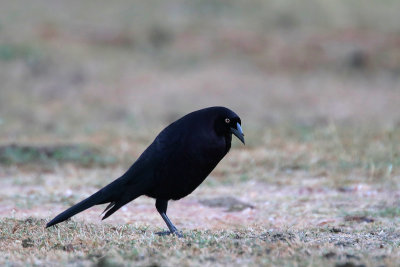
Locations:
column 82, row 155
column 10, row 52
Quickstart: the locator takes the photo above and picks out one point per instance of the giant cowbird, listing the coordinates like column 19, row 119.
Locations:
column 173, row 166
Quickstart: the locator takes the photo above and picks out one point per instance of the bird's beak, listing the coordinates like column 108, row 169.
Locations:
column 238, row 132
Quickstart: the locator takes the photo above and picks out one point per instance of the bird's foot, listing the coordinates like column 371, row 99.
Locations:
column 164, row 233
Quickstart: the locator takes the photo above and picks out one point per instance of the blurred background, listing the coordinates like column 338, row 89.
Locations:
column 128, row 68
column 85, row 86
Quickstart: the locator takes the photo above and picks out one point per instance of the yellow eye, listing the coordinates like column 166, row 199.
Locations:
column 227, row 120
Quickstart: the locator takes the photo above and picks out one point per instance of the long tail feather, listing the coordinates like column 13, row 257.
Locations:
column 112, row 204
column 118, row 193
column 114, row 208
column 94, row 199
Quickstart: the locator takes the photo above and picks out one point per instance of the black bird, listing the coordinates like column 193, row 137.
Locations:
column 172, row 167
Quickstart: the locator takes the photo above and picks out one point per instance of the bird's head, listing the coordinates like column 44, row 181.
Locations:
column 228, row 122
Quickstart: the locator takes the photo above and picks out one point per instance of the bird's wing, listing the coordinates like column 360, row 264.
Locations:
column 143, row 175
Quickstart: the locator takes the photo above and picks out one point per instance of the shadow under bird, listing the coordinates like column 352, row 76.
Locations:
column 173, row 166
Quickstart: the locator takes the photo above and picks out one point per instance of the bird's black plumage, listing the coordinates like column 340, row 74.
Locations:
column 173, row 166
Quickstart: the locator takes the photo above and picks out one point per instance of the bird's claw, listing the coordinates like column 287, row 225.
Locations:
column 178, row 234
column 164, row 233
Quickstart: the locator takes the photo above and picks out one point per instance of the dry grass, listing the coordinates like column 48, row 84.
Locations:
column 316, row 85
column 27, row 242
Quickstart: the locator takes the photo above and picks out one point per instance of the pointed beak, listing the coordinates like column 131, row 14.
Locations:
column 238, row 132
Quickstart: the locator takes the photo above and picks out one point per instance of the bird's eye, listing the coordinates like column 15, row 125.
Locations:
column 227, row 120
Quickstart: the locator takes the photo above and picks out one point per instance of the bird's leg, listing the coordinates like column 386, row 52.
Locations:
column 161, row 206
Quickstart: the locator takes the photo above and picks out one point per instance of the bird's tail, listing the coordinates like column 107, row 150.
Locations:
column 104, row 195
column 81, row 206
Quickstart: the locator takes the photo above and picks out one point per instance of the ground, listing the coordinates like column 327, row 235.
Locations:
column 83, row 93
